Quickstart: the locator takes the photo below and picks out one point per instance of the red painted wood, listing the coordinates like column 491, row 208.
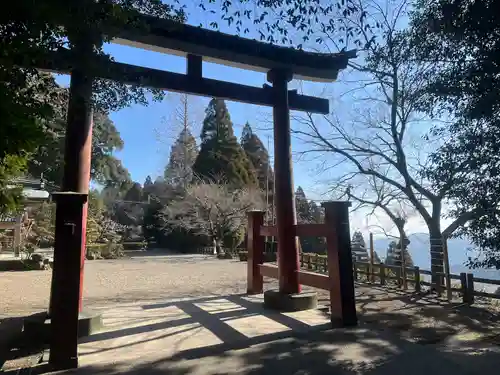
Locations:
column 288, row 248
column 340, row 265
column 268, row 231
column 255, row 249
column 333, row 276
column 315, row 280
column 70, row 232
column 269, row 270
column 312, row 230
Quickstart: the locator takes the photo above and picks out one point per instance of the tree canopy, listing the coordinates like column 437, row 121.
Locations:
column 179, row 170
column 28, row 98
column 461, row 39
column 359, row 252
column 221, row 157
column 106, row 169
column 258, row 155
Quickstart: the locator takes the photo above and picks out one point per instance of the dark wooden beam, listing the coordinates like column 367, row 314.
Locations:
column 167, row 36
column 160, row 79
column 194, row 66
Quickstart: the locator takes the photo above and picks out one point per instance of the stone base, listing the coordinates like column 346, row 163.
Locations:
column 275, row 300
column 38, row 329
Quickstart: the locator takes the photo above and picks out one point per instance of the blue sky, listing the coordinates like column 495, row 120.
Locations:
column 148, row 131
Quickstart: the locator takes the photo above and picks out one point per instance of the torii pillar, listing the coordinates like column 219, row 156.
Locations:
column 289, row 292
column 67, row 321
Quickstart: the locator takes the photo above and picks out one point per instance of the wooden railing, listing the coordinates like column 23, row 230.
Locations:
column 337, row 278
column 462, row 284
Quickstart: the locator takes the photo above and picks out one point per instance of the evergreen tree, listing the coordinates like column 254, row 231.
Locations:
column 130, row 211
column 407, row 256
column 302, row 207
column 309, row 213
column 392, row 257
column 221, row 156
column 148, row 182
column 182, row 157
column 134, row 193
column 376, row 258
column 358, row 246
column 258, row 155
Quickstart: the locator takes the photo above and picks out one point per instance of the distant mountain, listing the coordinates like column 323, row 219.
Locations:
column 459, row 250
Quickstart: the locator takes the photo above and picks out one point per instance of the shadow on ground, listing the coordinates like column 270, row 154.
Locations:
column 425, row 318
column 398, row 332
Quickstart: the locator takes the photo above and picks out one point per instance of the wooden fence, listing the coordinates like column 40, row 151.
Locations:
column 411, row 277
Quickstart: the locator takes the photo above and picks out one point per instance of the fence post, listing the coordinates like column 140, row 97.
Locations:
column 355, row 271
column 301, row 260
column 417, row 279
column 255, row 248
column 447, row 269
column 338, row 240
column 405, row 278
column 397, row 271
column 463, row 286
column 371, row 272
column 470, row 288
column 382, row 274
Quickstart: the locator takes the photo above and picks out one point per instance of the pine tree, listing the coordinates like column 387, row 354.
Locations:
column 148, row 182
column 302, row 207
column 358, row 246
column 221, row 157
column 407, row 257
column 392, row 257
column 258, row 155
column 179, row 171
column 309, row 213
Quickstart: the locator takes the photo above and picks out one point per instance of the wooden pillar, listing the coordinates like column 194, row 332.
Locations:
column 288, row 249
column 342, row 295
column 371, row 272
column 255, row 248
column 67, row 277
column 65, row 294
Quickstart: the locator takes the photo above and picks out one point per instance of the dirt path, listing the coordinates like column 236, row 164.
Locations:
column 154, row 277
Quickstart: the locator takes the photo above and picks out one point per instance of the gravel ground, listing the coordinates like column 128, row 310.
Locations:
column 139, row 278
column 154, row 277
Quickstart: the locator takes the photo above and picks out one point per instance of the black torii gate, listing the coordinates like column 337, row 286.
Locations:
column 197, row 45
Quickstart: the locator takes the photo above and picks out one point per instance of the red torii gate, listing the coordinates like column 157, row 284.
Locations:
column 197, row 45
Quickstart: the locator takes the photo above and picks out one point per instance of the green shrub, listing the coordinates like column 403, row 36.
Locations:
column 109, row 250
column 112, row 251
column 135, row 245
column 233, row 239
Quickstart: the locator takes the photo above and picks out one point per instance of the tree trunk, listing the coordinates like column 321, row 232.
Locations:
column 402, row 260
column 437, row 258
column 215, row 247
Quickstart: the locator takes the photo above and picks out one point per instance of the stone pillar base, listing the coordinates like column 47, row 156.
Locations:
column 39, row 329
column 275, row 300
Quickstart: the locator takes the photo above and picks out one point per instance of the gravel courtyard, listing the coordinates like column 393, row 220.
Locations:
column 144, row 278
column 159, row 307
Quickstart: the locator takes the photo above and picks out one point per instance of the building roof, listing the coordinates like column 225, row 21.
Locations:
column 28, row 182
column 171, row 37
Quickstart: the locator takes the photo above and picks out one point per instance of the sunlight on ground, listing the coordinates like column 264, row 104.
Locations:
column 148, row 332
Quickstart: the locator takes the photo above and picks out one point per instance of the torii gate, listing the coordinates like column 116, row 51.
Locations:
column 197, row 45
